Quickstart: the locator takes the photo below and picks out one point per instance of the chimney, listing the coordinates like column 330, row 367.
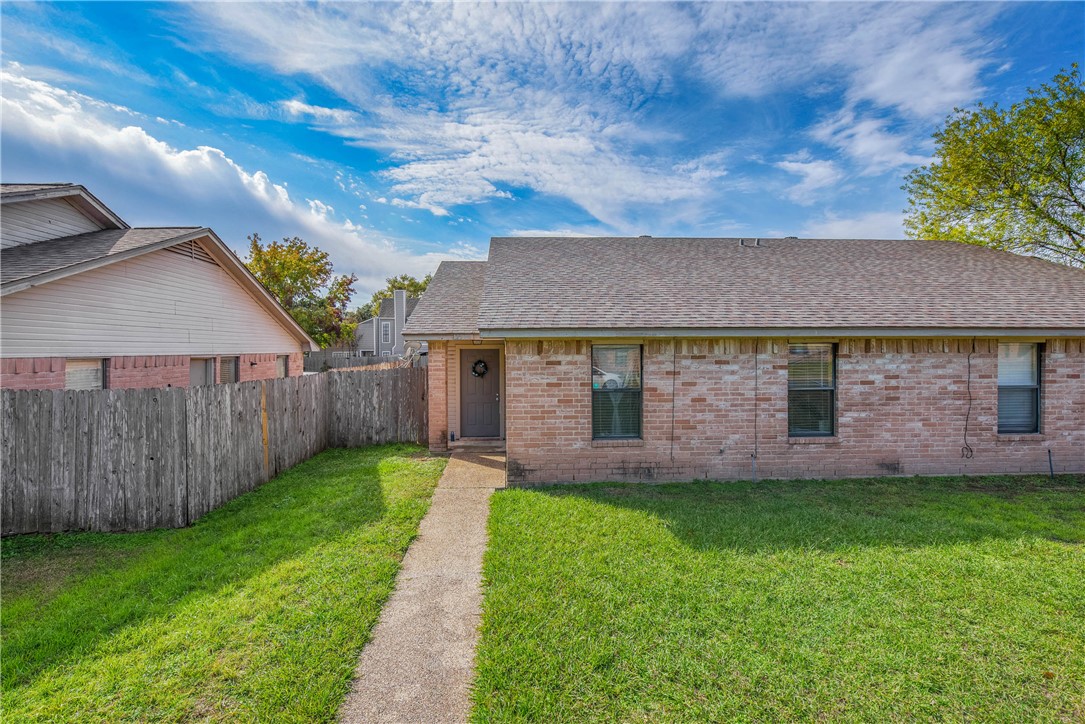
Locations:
column 399, row 306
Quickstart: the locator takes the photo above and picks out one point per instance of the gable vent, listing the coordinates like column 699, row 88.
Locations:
column 192, row 250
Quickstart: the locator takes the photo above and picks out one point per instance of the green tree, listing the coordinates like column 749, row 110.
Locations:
column 1011, row 179
column 412, row 286
column 301, row 277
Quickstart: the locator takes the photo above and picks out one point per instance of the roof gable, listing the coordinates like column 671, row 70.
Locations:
column 75, row 194
column 450, row 304
column 37, row 264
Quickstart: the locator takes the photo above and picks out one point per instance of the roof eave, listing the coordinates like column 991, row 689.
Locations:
column 701, row 332
column 439, row 336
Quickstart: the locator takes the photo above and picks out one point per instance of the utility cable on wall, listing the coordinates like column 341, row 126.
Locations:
column 756, row 407
column 966, row 450
column 674, row 375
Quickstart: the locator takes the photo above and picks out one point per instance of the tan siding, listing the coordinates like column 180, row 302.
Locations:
column 25, row 223
column 159, row 303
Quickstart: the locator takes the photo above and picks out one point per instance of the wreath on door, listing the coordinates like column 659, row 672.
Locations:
column 479, row 369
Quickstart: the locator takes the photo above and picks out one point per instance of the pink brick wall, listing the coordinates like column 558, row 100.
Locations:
column 148, row 371
column 265, row 366
column 437, row 366
column 38, row 373
column 901, row 408
column 142, row 371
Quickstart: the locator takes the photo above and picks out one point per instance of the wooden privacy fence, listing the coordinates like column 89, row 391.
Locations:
column 329, row 360
column 113, row 460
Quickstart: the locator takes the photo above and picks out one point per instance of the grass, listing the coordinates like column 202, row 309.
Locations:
column 255, row 613
column 866, row 600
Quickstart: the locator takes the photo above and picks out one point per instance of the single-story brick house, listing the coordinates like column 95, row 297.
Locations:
column 88, row 302
column 678, row 359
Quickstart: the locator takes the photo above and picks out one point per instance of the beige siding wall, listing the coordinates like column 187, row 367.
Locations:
column 161, row 303
column 25, row 223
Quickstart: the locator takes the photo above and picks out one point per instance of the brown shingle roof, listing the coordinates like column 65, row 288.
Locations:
column 450, row 303
column 611, row 284
column 615, row 283
column 388, row 309
column 41, row 257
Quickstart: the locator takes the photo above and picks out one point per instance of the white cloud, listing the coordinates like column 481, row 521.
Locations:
column 73, row 131
column 470, row 101
column 816, row 175
column 338, row 116
column 868, row 143
column 559, row 231
column 917, row 58
column 870, row 225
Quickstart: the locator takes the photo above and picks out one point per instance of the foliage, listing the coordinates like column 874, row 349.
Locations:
column 875, row 600
column 255, row 613
column 301, row 277
column 1011, row 179
column 413, row 287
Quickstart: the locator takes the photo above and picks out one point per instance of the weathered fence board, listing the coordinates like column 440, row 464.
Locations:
column 115, row 460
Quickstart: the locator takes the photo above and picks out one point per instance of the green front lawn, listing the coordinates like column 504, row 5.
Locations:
column 255, row 613
column 867, row 600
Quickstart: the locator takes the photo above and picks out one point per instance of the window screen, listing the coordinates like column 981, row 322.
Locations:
column 811, row 390
column 616, row 396
column 84, row 374
column 1018, row 388
column 201, row 371
column 282, row 365
column 228, row 370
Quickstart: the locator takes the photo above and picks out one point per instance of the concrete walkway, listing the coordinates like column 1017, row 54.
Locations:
column 419, row 664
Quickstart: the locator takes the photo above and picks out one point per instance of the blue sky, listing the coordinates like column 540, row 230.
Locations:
column 394, row 136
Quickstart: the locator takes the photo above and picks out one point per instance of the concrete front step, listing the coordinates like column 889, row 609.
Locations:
column 478, row 444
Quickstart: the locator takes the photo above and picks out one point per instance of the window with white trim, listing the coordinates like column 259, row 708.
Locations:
column 1018, row 388
column 386, row 332
column 811, row 390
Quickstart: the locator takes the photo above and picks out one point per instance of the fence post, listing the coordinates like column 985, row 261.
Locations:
column 263, row 428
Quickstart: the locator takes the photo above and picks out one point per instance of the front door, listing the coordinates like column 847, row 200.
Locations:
column 480, row 393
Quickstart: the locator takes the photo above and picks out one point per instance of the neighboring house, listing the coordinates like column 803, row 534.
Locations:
column 88, row 302
column 678, row 359
column 382, row 336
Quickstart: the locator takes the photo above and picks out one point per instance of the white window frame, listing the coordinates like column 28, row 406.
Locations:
column 1035, row 390
column 386, row 332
